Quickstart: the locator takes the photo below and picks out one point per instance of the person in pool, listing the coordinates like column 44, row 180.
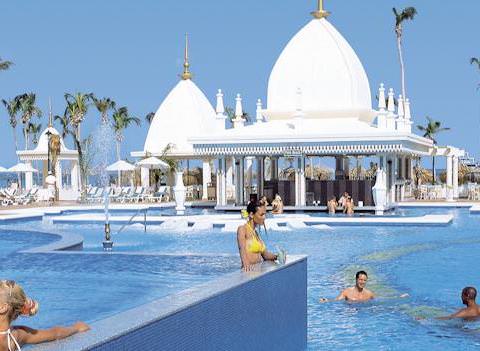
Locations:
column 472, row 311
column 13, row 303
column 250, row 245
column 357, row 293
column 332, row 205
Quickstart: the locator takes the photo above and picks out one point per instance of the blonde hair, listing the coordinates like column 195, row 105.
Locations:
column 13, row 295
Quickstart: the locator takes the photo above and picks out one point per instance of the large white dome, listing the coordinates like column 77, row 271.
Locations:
column 184, row 113
column 320, row 62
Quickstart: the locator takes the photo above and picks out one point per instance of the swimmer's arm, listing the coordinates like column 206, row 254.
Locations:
column 35, row 336
column 459, row 314
column 242, row 243
column 342, row 296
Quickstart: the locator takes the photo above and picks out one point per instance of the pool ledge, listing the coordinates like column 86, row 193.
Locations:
column 220, row 314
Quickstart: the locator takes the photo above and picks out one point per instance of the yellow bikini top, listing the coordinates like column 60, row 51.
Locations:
column 255, row 245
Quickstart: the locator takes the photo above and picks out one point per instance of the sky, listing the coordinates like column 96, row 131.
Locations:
column 132, row 52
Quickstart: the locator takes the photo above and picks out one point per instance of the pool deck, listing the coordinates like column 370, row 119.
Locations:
column 227, row 221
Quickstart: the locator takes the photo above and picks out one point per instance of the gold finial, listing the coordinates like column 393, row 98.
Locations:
column 186, row 72
column 50, row 115
column 320, row 13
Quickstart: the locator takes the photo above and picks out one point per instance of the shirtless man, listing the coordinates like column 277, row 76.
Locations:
column 472, row 311
column 357, row 293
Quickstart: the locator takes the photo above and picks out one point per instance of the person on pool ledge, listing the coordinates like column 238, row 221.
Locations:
column 14, row 302
column 250, row 245
column 472, row 311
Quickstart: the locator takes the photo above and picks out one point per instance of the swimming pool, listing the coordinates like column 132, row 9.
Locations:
column 432, row 264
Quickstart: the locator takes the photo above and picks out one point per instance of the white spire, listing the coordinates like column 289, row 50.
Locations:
column 391, row 100
column 382, row 107
column 259, row 116
column 408, row 116
column 220, row 106
column 381, row 98
column 408, row 113
column 238, row 107
column 238, row 121
column 401, row 111
column 391, row 110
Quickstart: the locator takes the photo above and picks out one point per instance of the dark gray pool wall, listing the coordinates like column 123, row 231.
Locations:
column 263, row 310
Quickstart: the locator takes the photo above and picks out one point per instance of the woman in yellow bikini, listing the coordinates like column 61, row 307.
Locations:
column 251, row 247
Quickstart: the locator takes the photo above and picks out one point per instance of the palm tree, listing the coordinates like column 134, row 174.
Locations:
column 407, row 13
column 4, row 65
column 103, row 106
column 149, row 117
column 12, row 110
column 28, row 108
column 77, row 108
column 121, row 121
column 230, row 112
column 65, row 124
column 34, row 129
column 430, row 131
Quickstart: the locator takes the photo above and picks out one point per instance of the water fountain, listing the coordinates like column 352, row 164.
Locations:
column 104, row 138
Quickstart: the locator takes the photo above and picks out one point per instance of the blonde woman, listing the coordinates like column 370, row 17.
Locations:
column 13, row 303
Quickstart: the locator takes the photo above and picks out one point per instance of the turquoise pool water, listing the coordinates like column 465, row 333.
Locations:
column 432, row 264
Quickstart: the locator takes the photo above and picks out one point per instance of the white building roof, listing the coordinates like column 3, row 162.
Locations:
column 184, row 113
column 320, row 62
column 41, row 151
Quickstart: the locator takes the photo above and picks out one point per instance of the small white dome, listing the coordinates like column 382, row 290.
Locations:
column 42, row 146
column 184, row 113
column 320, row 62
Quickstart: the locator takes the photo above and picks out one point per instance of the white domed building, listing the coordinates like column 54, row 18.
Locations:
column 66, row 167
column 185, row 113
column 319, row 105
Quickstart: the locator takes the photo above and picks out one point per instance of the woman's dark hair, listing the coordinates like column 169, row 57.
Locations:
column 253, row 207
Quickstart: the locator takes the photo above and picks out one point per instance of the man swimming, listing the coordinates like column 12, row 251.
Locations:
column 472, row 311
column 357, row 293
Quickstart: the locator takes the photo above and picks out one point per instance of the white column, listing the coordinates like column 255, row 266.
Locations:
column 239, row 180
column 74, row 175
column 221, row 183
column 455, row 177
column 145, row 177
column 207, row 178
column 58, row 175
column 260, row 175
column 230, row 162
column 249, row 177
column 28, row 178
column 449, row 178
column 300, row 181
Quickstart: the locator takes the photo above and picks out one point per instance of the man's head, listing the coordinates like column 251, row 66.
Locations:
column 361, row 279
column 469, row 294
column 333, row 198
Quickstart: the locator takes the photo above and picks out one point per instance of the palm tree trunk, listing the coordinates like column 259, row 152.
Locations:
column 25, row 134
column 402, row 65
column 433, row 170
column 118, row 159
column 15, row 139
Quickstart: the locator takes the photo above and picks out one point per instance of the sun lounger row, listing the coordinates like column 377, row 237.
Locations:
column 11, row 197
column 126, row 194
